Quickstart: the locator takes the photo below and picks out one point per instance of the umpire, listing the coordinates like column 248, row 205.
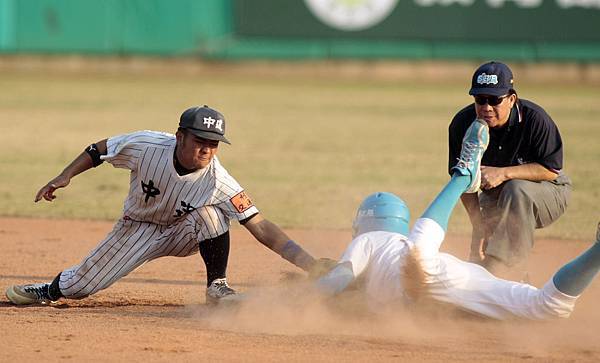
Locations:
column 523, row 186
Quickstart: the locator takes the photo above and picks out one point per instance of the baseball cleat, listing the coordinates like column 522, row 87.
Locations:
column 219, row 292
column 475, row 141
column 29, row 294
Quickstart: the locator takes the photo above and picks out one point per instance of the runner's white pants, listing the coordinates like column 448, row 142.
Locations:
column 473, row 288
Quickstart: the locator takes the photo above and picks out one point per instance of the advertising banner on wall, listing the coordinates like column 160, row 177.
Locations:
column 421, row 20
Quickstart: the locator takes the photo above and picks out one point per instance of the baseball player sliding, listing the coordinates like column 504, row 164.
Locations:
column 397, row 264
column 180, row 199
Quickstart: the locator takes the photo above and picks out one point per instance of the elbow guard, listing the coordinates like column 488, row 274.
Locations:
column 94, row 154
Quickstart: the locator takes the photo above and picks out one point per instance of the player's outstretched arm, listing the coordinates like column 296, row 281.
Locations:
column 270, row 235
column 83, row 162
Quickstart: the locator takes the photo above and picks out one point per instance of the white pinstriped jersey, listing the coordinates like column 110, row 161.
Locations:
column 157, row 194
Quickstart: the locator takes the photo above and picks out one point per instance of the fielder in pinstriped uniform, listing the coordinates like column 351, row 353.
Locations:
column 180, row 199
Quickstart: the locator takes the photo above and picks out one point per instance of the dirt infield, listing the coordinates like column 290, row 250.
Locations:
column 158, row 313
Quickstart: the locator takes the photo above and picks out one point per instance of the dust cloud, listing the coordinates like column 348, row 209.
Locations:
column 295, row 309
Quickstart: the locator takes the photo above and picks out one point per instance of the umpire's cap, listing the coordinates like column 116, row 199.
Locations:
column 492, row 78
column 204, row 122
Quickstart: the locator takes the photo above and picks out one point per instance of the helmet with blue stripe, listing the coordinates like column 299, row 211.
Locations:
column 381, row 211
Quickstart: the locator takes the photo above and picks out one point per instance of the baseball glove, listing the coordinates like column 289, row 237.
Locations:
column 321, row 267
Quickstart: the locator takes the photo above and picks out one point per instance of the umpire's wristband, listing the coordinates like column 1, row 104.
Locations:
column 296, row 255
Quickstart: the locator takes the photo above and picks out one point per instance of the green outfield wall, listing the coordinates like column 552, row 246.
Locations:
column 527, row 30
column 168, row 27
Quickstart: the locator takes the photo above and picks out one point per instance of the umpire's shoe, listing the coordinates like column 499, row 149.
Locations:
column 219, row 292
column 474, row 143
column 29, row 294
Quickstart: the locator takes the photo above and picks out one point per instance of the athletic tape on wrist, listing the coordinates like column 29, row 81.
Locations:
column 296, row 255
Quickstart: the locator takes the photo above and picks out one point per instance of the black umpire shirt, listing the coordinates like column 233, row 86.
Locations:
column 530, row 135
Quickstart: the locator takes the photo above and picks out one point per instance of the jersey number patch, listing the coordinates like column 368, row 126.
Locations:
column 241, row 202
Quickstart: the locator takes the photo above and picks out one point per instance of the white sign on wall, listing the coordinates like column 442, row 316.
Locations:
column 351, row 15
column 354, row 15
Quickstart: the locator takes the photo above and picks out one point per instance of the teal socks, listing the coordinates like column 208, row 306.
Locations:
column 575, row 276
column 441, row 208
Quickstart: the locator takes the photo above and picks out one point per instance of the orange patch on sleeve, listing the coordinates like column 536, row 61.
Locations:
column 241, row 201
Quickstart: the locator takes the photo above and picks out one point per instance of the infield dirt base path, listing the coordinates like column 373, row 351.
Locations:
column 157, row 313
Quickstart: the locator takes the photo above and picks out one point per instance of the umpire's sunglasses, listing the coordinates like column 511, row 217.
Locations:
column 490, row 100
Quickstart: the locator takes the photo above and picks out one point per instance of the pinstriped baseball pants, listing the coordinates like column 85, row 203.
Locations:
column 131, row 244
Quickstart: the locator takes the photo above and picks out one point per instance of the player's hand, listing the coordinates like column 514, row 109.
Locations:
column 321, row 267
column 47, row 191
column 491, row 177
column 478, row 243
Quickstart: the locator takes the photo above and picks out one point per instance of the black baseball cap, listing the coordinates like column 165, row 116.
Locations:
column 204, row 122
column 492, row 78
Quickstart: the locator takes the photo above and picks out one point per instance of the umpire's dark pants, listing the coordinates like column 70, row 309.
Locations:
column 514, row 209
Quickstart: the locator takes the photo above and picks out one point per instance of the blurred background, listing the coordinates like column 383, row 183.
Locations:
column 524, row 30
column 326, row 100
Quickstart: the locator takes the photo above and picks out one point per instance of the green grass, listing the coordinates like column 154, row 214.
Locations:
column 306, row 149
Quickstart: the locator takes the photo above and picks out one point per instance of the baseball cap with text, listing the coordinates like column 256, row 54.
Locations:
column 493, row 78
column 204, row 122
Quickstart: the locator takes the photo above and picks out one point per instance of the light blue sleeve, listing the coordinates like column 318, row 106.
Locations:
column 336, row 280
column 353, row 262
